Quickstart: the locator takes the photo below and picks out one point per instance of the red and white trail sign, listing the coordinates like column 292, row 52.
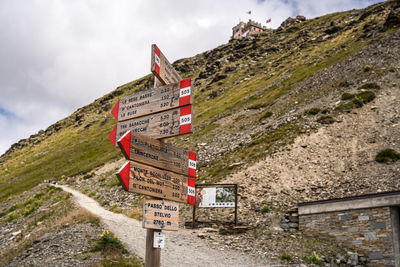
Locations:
column 161, row 67
column 147, row 150
column 142, row 179
column 164, row 124
column 154, row 100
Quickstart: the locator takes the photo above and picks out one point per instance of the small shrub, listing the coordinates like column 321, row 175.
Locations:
column 108, row 242
column 345, row 107
column 286, row 257
column 387, row 155
column 347, row 96
column 326, row 120
column 92, row 194
column 257, row 106
column 265, row 209
column 223, row 231
column 88, row 176
column 392, row 69
column 366, row 96
column 266, row 115
column 358, row 102
column 370, row 86
column 114, row 182
column 105, row 203
column 85, row 190
column 313, row 259
column 313, row 111
column 13, row 216
column 367, row 68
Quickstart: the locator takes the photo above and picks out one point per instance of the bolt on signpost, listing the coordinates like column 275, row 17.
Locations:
column 157, row 169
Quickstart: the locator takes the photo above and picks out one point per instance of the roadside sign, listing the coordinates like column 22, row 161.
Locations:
column 164, row 124
column 153, row 152
column 155, row 100
column 160, row 214
column 142, row 179
column 216, row 197
column 161, row 67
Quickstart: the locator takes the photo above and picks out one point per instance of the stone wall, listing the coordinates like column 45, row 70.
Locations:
column 366, row 231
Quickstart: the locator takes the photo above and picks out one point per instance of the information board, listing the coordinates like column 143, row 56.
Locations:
column 215, row 197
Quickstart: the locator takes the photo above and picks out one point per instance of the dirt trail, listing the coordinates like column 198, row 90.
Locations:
column 182, row 247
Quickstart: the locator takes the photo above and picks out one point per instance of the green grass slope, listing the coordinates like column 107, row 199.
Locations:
column 242, row 83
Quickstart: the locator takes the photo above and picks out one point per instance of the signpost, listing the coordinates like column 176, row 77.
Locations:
column 155, row 100
column 142, row 179
column 147, row 150
column 160, row 214
column 157, row 169
column 164, row 124
column 161, row 67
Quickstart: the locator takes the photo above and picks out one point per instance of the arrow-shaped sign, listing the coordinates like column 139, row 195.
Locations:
column 154, row 100
column 161, row 67
column 150, row 151
column 164, row 124
column 142, row 179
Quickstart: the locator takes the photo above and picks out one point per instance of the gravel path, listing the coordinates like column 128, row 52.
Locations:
column 182, row 248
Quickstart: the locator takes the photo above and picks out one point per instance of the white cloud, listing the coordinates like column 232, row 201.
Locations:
column 57, row 56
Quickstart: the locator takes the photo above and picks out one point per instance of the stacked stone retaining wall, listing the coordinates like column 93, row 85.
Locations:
column 368, row 231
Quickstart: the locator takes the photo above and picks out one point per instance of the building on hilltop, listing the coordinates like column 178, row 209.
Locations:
column 246, row 29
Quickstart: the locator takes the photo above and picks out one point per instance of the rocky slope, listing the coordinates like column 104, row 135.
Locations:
column 270, row 116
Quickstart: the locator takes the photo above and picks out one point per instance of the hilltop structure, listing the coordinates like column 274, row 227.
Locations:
column 245, row 29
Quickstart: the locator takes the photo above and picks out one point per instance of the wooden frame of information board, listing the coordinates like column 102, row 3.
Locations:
column 235, row 186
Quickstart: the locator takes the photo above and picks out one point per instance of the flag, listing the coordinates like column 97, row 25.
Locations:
column 249, row 12
column 268, row 20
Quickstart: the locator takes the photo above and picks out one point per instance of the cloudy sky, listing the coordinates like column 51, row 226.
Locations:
column 58, row 55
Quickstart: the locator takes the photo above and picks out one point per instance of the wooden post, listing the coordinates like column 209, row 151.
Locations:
column 153, row 255
column 236, row 203
column 194, row 215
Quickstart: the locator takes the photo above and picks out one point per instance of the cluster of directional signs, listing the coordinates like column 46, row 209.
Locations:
column 155, row 168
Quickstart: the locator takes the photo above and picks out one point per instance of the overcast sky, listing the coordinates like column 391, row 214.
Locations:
column 59, row 55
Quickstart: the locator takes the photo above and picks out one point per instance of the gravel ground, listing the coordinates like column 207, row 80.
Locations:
column 182, row 247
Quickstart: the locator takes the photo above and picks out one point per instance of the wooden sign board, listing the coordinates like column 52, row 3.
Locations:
column 160, row 214
column 161, row 67
column 164, row 124
column 142, row 179
column 155, row 100
column 144, row 149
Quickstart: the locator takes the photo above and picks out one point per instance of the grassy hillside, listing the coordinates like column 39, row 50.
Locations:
column 244, row 94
